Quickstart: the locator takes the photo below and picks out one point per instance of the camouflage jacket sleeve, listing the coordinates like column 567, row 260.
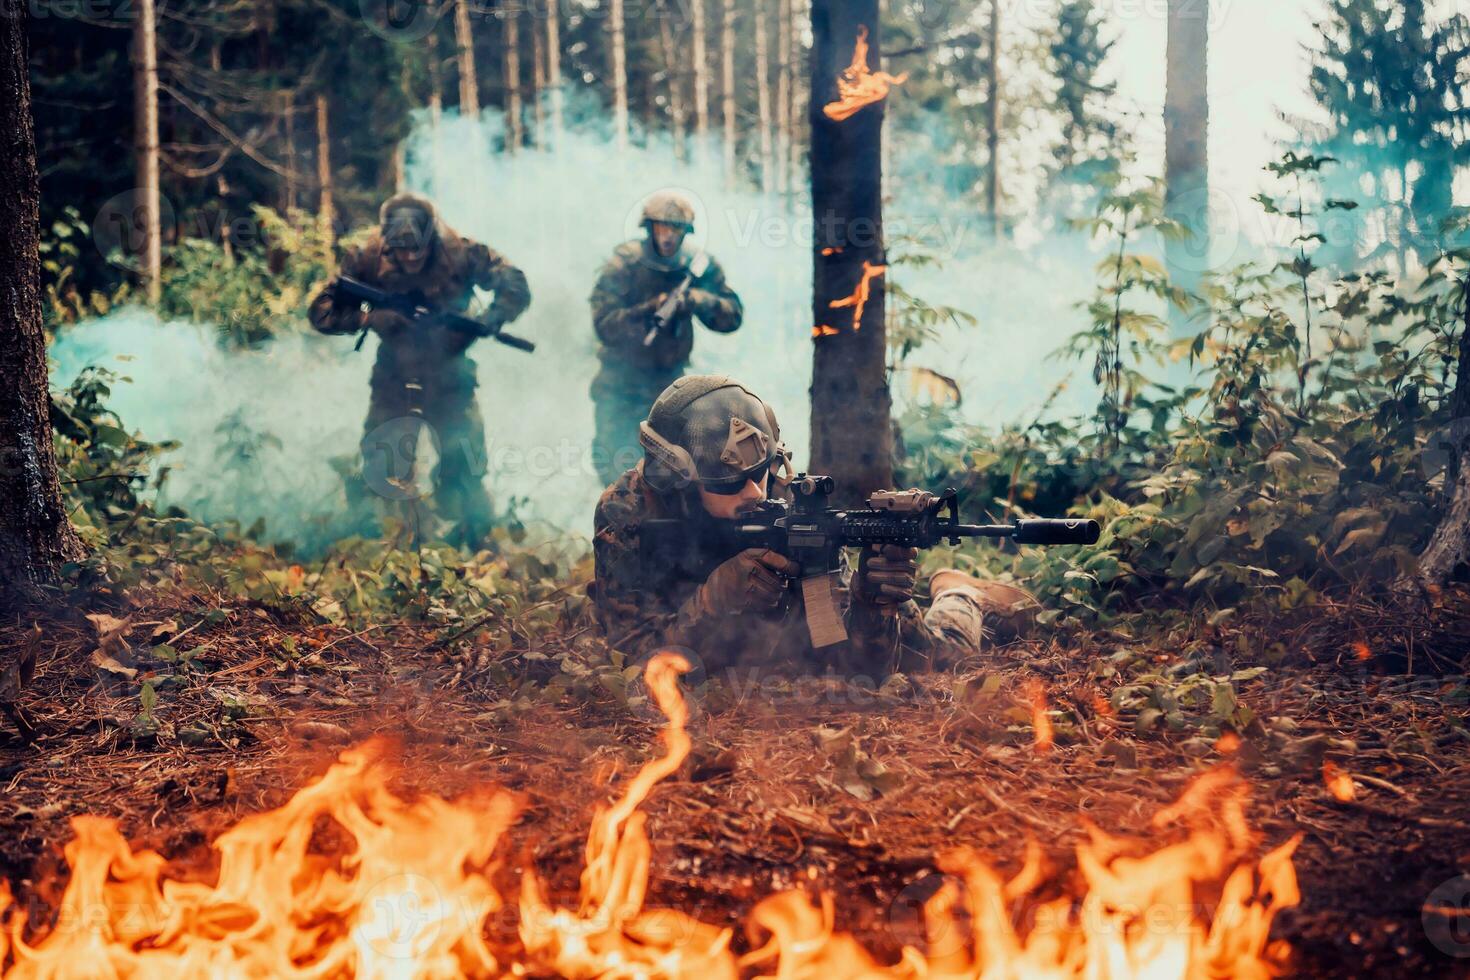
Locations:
column 619, row 323
column 636, row 615
column 900, row 639
column 331, row 317
column 715, row 303
column 490, row 270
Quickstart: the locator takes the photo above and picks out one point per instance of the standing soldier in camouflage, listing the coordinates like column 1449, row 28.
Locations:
column 638, row 364
column 738, row 607
column 423, row 370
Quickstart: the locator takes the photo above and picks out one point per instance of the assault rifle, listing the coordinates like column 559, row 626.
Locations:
column 416, row 308
column 814, row 535
column 663, row 317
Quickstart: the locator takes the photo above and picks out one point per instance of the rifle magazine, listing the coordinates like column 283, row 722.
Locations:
column 823, row 616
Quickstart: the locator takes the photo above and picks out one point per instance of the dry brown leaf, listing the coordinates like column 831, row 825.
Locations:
column 104, row 661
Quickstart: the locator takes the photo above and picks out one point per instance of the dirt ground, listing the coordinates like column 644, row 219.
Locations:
column 767, row 801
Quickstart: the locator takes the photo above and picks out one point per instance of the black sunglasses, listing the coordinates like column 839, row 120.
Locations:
column 729, row 488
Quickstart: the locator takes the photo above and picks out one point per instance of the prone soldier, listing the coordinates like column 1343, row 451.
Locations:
column 423, row 369
column 712, row 456
column 642, row 306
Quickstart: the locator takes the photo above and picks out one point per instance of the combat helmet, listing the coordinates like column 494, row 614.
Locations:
column 409, row 219
column 712, row 432
column 670, row 208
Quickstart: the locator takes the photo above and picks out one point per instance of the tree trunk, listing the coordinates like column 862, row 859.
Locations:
column 1186, row 143
column 326, row 213
column 436, row 85
column 538, row 85
column 701, row 77
column 1448, row 550
column 35, row 536
column 794, row 152
column 287, row 111
column 553, row 68
column 510, row 18
column 852, row 429
column 145, row 81
column 464, row 43
column 784, row 70
column 673, row 73
column 763, row 95
column 619, row 74
column 992, row 122
column 727, row 87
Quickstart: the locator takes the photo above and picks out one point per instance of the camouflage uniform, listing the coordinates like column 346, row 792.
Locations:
column 641, row 609
column 632, row 375
column 435, row 358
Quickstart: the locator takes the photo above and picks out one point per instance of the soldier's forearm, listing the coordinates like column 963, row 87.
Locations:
column 719, row 313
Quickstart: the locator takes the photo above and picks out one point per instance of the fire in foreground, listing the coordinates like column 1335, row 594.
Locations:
column 408, row 892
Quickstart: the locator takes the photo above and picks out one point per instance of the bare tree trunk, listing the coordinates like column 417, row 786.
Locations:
column 464, row 43
column 852, row 429
column 510, row 18
column 672, row 71
column 436, row 84
column 763, row 94
column 287, row 110
column 701, row 77
column 538, row 83
column 1186, row 143
column 619, row 74
column 784, row 25
column 992, row 122
column 326, row 213
column 36, row 538
column 727, row 87
column 553, row 67
column 794, row 152
column 145, row 81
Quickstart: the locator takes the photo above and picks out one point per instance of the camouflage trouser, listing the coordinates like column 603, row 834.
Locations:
column 950, row 633
column 620, row 400
column 955, row 628
column 396, row 416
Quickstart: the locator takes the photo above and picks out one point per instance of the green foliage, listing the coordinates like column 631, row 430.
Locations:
column 1391, row 79
column 1276, row 472
column 255, row 292
column 104, row 468
column 62, row 249
column 1076, row 54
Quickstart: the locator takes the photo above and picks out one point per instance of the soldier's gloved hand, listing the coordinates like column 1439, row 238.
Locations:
column 388, row 323
column 698, row 300
column 755, row 580
column 886, row 575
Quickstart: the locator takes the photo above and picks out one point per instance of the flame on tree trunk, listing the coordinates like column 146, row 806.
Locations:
column 852, row 432
column 35, row 536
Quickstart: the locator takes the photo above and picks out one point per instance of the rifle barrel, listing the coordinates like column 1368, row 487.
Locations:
column 1040, row 531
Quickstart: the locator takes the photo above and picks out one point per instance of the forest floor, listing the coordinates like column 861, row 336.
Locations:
column 767, row 800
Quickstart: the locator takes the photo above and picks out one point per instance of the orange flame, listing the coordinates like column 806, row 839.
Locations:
column 1338, row 783
column 1228, row 743
column 1043, row 736
column 858, row 85
column 411, row 893
column 858, row 301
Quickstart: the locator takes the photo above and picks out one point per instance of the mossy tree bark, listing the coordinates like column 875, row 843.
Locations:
column 35, row 535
